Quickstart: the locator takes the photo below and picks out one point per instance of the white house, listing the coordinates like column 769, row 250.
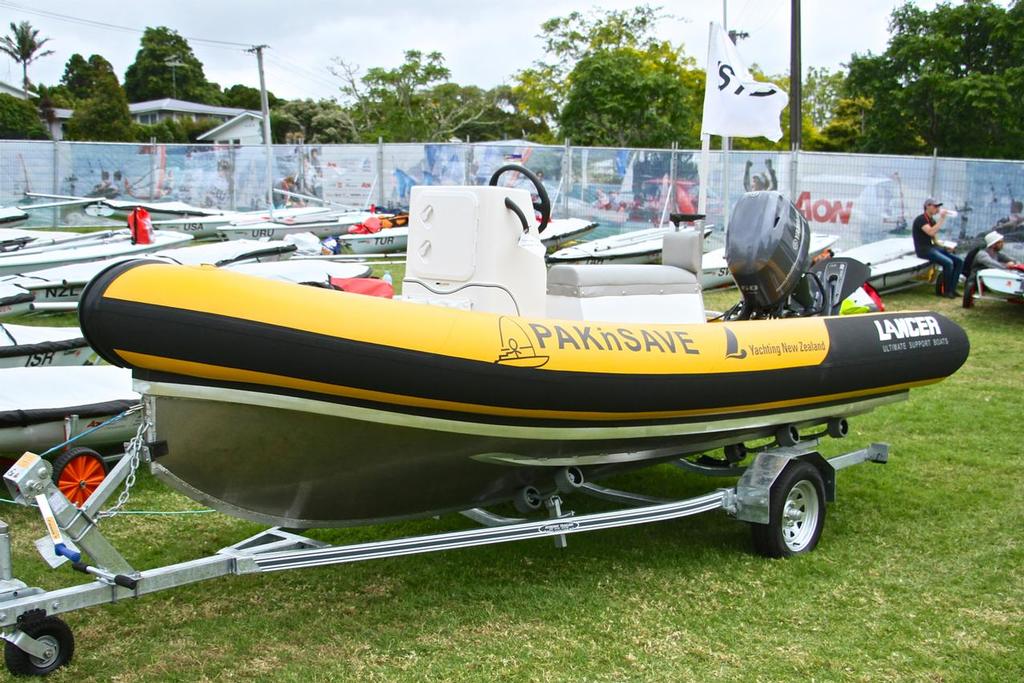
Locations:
column 59, row 123
column 156, row 111
column 14, row 90
column 244, row 129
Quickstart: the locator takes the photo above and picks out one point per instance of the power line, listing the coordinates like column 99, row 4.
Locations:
column 112, row 27
column 304, row 73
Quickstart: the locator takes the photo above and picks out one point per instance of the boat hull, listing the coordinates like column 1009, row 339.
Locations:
column 638, row 246
column 291, row 389
column 1008, row 283
column 118, row 245
column 892, row 261
column 311, row 464
column 387, row 241
column 30, row 347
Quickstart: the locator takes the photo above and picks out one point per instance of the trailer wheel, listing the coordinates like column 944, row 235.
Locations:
column 796, row 513
column 78, row 472
column 527, row 500
column 52, row 632
column 969, row 289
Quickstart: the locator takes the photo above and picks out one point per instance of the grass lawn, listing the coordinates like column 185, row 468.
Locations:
column 919, row 575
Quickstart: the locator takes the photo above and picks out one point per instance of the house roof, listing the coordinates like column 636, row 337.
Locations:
column 169, row 104
column 15, row 90
column 212, row 134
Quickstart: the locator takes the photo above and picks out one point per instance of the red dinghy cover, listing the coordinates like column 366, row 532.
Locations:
column 370, row 286
column 367, row 227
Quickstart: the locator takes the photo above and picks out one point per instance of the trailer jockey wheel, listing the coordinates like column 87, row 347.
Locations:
column 543, row 205
column 51, row 632
column 796, row 513
column 78, row 472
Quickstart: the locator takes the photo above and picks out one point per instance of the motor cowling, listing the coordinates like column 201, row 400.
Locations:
column 766, row 248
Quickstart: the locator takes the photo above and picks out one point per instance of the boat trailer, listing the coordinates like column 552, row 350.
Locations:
column 782, row 493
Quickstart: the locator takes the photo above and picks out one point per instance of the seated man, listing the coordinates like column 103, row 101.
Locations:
column 991, row 256
column 925, row 230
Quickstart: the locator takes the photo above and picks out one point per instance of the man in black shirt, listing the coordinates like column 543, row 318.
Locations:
column 925, row 229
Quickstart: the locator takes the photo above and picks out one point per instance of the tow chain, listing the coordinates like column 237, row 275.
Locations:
column 133, row 451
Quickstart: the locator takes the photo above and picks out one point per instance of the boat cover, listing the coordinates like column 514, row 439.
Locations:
column 10, row 214
column 11, row 238
column 31, row 396
column 11, row 294
column 23, row 340
column 115, row 245
column 302, row 271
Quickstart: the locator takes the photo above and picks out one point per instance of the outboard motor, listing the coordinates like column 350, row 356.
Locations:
column 766, row 248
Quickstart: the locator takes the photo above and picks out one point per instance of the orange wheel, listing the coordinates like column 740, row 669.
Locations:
column 78, row 472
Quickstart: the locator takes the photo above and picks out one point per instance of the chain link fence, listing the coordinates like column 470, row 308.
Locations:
column 859, row 198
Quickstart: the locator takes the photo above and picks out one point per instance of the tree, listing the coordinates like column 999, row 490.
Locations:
column 174, row 130
column 103, row 116
column 822, row 90
column 950, row 79
column 151, row 76
column 412, row 102
column 77, row 76
column 19, row 120
column 315, row 122
column 23, row 46
column 609, row 81
column 80, row 75
column 845, row 127
column 245, row 97
column 626, row 97
column 502, row 119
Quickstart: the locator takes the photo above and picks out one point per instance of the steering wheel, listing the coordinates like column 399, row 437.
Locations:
column 543, row 206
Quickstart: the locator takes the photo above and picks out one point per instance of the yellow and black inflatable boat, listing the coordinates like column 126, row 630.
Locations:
column 304, row 407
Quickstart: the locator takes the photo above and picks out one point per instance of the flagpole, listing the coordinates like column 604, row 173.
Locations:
column 725, row 139
column 795, row 98
column 705, row 163
column 705, row 144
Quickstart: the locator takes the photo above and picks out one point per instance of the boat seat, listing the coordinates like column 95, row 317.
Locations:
column 683, row 249
column 633, row 292
column 619, row 280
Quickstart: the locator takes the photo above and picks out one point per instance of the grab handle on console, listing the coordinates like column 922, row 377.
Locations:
column 514, row 208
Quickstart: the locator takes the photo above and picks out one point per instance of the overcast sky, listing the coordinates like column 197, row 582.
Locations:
column 484, row 43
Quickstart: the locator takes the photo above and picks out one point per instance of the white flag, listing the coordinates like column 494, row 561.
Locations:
column 735, row 105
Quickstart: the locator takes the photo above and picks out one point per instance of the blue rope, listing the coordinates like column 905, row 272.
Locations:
column 89, row 431
column 112, row 420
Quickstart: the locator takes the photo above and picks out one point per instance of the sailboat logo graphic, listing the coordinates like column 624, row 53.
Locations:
column 517, row 347
column 732, row 346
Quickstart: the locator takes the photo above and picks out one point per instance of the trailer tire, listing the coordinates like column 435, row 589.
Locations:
column 796, row 513
column 77, row 472
column 969, row 289
column 527, row 499
column 51, row 631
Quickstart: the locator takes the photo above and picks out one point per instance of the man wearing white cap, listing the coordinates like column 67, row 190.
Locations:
column 991, row 256
column 925, row 230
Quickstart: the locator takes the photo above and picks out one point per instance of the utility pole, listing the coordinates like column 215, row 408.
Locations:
column 174, row 62
column 258, row 49
column 795, row 77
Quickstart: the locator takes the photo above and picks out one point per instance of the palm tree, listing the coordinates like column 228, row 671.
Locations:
column 23, row 47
